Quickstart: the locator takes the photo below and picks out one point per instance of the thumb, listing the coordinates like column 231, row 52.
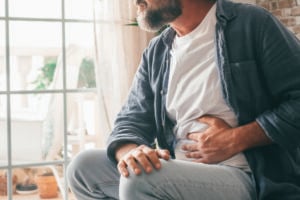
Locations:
column 207, row 119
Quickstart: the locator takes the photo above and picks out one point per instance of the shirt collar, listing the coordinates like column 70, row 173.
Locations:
column 225, row 12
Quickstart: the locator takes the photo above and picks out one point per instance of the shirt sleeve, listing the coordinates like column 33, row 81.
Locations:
column 135, row 122
column 280, row 58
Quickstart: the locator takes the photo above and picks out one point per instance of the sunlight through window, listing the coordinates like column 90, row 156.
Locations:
column 49, row 106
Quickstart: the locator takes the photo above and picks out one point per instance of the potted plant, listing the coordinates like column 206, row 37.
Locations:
column 27, row 185
column 3, row 183
column 47, row 185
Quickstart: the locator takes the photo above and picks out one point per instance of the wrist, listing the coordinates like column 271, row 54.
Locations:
column 250, row 135
column 123, row 149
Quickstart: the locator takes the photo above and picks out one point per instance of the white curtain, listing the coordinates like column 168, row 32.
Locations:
column 118, row 52
column 54, row 123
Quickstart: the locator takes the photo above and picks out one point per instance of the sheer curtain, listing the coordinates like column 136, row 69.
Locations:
column 118, row 51
column 54, row 123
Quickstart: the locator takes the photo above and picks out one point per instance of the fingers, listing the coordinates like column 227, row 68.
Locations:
column 128, row 162
column 207, row 119
column 195, row 155
column 141, row 158
column 212, row 121
column 193, row 136
column 122, row 168
column 190, row 147
column 163, row 153
column 198, row 157
column 153, row 158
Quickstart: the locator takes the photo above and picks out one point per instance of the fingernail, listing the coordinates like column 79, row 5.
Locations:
column 148, row 169
column 157, row 166
column 136, row 171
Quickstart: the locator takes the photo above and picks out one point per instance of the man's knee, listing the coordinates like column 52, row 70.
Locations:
column 139, row 186
column 132, row 187
column 78, row 168
column 92, row 176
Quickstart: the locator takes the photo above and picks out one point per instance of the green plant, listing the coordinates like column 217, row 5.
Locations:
column 86, row 77
column 45, row 77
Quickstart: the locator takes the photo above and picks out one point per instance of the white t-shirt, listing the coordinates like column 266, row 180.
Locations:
column 195, row 88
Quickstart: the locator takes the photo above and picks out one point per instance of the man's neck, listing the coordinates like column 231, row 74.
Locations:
column 193, row 12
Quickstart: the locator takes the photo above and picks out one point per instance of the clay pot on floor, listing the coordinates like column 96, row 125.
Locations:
column 3, row 184
column 47, row 185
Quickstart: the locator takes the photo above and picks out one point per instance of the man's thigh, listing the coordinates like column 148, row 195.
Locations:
column 181, row 180
column 92, row 176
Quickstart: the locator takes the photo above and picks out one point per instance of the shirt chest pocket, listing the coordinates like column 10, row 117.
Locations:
column 247, row 86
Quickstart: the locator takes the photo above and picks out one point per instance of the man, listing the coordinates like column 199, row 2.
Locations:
column 219, row 91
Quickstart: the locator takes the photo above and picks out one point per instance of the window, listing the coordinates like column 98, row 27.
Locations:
column 2, row 8
column 48, row 98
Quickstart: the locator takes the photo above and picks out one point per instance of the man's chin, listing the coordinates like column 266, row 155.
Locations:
column 146, row 27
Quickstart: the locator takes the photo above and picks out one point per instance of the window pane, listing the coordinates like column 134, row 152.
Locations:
column 35, row 55
column 2, row 57
column 41, row 115
column 79, row 9
column 83, row 115
column 79, row 47
column 3, row 130
column 35, row 8
column 2, row 8
column 103, row 11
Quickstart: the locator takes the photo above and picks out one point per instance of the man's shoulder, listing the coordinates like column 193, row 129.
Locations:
column 243, row 14
column 250, row 10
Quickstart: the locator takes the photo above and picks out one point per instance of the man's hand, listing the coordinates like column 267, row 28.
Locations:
column 139, row 158
column 215, row 144
column 220, row 141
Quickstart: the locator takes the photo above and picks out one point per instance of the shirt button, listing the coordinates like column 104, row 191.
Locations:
column 161, row 92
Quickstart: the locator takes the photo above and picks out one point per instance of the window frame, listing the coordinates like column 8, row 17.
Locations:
column 9, row 166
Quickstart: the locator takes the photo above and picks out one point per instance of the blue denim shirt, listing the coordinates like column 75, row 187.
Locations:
column 259, row 67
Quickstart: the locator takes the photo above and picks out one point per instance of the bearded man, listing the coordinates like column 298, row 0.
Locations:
column 218, row 91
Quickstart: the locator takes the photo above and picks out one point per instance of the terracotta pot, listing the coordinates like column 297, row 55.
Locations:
column 3, row 184
column 47, row 186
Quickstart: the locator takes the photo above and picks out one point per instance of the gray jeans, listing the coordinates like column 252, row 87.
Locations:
column 92, row 176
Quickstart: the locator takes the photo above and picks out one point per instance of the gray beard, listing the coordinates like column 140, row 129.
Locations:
column 154, row 20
